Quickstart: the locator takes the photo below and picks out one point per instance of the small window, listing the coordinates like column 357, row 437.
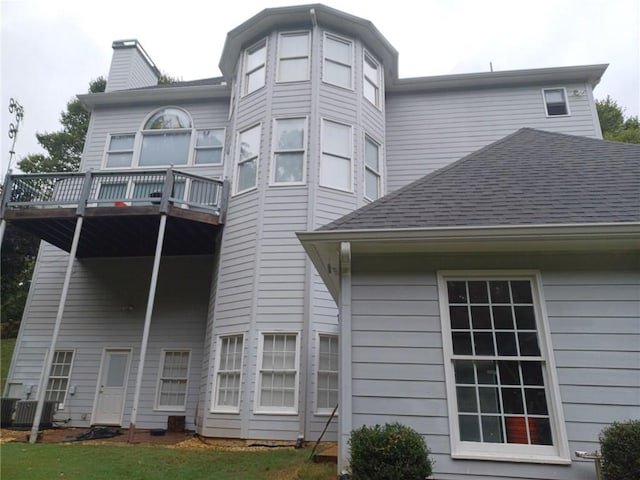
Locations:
column 247, row 159
column 255, row 67
column 372, row 175
column 120, row 151
column 501, row 392
column 166, row 138
column 172, row 384
column 228, row 375
column 293, row 57
column 338, row 61
column 277, row 390
column 289, row 149
column 335, row 163
column 372, row 79
column 327, row 389
column 209, row 145
column 58, row 383
column 555, row 100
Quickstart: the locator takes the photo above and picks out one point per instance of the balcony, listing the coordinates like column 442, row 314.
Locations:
column 121, row 210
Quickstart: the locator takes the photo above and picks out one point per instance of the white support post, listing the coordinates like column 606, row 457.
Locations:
column 147, row 326
column 345, row 424
column 3, row 225
column 42, row 387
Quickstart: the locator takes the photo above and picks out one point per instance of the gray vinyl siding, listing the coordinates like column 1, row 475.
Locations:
column 593, row 306
column 428, row 130
column 129, row 70
column 95, row 318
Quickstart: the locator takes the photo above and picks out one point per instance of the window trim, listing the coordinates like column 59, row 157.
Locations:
column 279, row 58
column 61, row 405
column 365, row 79
column 264, row 43
column 379, row 172
column 163, row 357
column 325, row 411
column 351, row 158
column 215, row 408
column 108, row 151
column 274, row 151
column 342, row 39
column 195, row 146
column 558, row 453
column 237, row 163
column 546, row 104
column 258, row 409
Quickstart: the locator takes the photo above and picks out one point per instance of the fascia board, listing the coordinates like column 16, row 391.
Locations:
column 153, row 95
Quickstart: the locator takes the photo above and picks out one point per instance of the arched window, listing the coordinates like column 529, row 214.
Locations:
column 166, row 137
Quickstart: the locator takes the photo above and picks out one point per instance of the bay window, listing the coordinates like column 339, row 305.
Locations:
column 338, row 61
column 293, row 56
column 372, row 175
column 228, row 373
column 289, row 150
column 277, row 388
column 335, row 162
column 255, row 60
column 371, row 79
column 246, row 176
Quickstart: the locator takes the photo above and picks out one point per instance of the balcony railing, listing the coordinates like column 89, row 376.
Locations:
column 162, row 188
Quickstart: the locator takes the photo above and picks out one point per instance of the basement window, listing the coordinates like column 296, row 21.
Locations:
column 58, row 383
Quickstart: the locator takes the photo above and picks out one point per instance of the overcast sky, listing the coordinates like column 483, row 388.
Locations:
column 52, row 49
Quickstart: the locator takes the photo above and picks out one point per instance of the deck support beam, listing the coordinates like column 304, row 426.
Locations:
column 147, row 325
column 46, row 368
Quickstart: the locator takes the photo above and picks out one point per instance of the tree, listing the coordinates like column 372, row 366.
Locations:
column 613, row 123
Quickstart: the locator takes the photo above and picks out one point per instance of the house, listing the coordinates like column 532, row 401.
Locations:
column 171, row 282
column 500, row 319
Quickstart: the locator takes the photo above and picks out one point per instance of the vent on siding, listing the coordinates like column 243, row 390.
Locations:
column 6, row 412
column 26, row 412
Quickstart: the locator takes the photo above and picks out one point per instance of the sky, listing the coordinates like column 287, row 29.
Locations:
column 52, row 49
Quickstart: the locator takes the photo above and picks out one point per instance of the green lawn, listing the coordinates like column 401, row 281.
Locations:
column 97, row 462
column 6, row 350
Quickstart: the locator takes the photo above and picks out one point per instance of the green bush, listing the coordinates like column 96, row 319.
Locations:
column 391, row 452
column 620, row 446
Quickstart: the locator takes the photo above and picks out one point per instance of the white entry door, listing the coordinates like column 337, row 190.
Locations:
column 114, row 374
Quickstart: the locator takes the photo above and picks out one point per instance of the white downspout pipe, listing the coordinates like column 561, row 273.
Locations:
column 345, row 426
column 42, row 387
column 147, row 326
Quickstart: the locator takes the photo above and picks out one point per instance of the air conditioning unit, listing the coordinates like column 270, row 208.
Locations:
column 26, row 413
column 6, row 411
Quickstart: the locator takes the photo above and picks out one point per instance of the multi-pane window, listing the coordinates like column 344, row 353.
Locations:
column 555, row 101
column 372, row 176
column 335, row 163
column 372, row 79
column 255, row 67
column 338, row 61
column 293, row 57
column 120, row 150
column 278, row 373
column 227, row 394
column 327, row 388
column 247, row 159
column 172, row 384
column 58, row 382
column 166, row 138
column 289, row 149
column 208, row 148
column 497, row 367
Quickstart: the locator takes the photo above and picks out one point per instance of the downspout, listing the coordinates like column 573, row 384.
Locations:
column 164, row 207
column 345, row 357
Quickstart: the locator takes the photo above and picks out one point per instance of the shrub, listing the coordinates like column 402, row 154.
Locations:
column 391, row 452
column 620, row 445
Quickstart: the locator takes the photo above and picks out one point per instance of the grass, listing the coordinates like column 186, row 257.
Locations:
column 97, row 462
column 6, row 351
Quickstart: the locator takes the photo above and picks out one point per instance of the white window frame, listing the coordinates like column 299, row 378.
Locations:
column 350, row 158
column 67, row 377
column 324, row 411
column 258, row 408
column 245, row 68
column 546, row 104
column 237, row 162
column 367, row 168
column 196, row 147
column 108, row 150
column 375, row 83
column 558, row 453
column 297, row 33
column 216, row 378
column 275, row 151
column 161, row 377
column 325, row 58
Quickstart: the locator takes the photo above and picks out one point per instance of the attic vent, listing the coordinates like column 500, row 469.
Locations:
column 26, row 412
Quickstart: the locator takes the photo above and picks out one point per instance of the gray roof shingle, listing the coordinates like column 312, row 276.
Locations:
column 530, row 177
